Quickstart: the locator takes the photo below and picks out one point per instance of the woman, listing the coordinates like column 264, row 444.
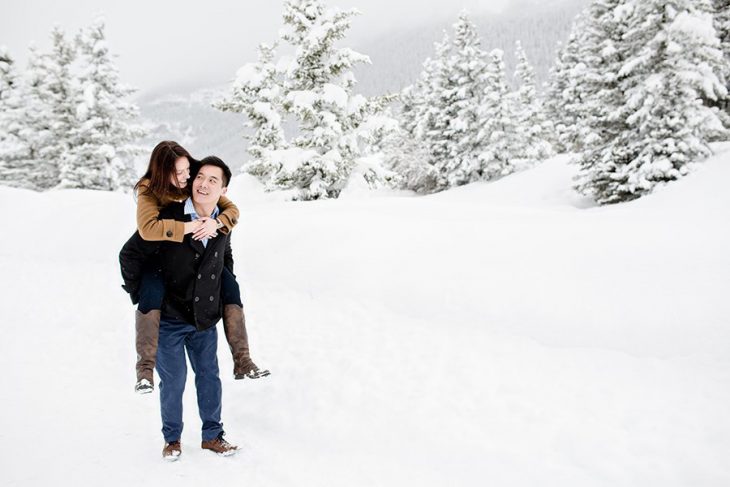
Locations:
column 165, row 181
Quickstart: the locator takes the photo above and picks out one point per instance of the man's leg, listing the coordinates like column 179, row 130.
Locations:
column 202, row 349
column 172, row 369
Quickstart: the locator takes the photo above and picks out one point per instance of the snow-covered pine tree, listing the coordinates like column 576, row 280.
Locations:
column 604, row 52
column 532, row 128
column 104, row 133
column 410, row 151
column 499, row 130
column 12, row 148
column 315, row 94
column 565, row 94
column 318, row 87
column 672, row 59
column 8, row 75
column 408, row 156
column 461, row 91
column 35, row 125
column 410, row 105
column 430, row 113
column 722, row 26
column 257, row 93
column 554, row 88
column 57, row 89
column 404, row 151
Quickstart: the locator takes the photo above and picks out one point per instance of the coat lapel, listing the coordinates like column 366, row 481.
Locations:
column 197, row 245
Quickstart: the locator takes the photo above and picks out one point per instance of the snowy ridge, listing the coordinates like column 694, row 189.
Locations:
column 494, row 334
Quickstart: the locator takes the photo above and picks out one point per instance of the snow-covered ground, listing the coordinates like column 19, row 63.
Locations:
column 504, row 334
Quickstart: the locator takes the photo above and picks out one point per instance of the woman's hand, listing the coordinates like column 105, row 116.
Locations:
column 192, row 226
column 207, row 229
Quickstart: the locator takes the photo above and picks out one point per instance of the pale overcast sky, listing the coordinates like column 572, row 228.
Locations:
column 165, row 43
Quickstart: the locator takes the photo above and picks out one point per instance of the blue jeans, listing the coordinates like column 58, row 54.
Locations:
column 175, row 338
column 152, row 290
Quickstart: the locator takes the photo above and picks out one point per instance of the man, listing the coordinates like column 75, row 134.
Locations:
column 191, row 308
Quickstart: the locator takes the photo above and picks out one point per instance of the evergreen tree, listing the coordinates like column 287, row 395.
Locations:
column 405, row 152
column 102, row 147
column 58, row 91
column 566, row 91
column 408, row 156
column 32, row 128
column 604, row 52
column 8, row 76
column 532, row 128
column 432, row 121
column 555, row 87
column 499, row 130
column 318, row 85
column 42, row 122
column 722, row 26
column 257, row 93
column 410, row 107
column 672, row 57
column 460, row 96
column 315, row 89
column 12, row 147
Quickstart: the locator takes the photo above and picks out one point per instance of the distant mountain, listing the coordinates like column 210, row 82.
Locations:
column 191, row 120
column 397, row 57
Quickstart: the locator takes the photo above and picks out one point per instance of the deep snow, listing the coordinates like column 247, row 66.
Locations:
column 505, row 334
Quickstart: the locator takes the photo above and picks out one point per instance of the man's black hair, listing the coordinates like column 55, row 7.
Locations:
column 217, row 162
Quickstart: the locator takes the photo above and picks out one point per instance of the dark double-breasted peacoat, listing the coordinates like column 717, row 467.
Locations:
column 191, row 272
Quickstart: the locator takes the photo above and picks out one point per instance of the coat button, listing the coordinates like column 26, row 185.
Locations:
column 199, row 276
column 212, row 276
column 216, row 254
column 197, row 255
column 197, row 299
column 211, row 298
column 169, row 233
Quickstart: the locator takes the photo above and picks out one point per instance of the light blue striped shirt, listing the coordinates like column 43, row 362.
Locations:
column 190, row 210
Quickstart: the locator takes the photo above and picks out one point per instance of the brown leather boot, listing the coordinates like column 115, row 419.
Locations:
column 171, row 452
column 219, row 446
column 148, row 332
column 234, row 324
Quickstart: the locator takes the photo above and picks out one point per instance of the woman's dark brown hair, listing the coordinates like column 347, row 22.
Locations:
column 161, row 171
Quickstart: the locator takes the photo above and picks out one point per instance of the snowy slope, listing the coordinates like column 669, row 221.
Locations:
column 505, row 334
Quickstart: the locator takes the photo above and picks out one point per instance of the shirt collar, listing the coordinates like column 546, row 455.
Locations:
column 190, row 210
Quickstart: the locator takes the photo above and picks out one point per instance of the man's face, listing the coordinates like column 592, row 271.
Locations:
column 208, row 185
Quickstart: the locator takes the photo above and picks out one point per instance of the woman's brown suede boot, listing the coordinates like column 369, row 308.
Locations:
column 148, row 333
column 234, row 324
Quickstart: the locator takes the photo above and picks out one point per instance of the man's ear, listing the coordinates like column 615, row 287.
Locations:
column 225, row 190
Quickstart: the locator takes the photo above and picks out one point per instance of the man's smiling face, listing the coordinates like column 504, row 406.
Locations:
column 208, row 185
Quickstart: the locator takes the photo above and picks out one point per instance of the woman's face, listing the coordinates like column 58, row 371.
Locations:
column 182, row 172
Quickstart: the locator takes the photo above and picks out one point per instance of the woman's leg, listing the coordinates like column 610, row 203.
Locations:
column 234, row 325
column 147, row 325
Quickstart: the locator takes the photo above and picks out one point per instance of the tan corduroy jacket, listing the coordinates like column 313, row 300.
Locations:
column 150, row 228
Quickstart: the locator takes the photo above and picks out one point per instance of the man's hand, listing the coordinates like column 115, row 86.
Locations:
column 192, row 226
column 207, row 229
